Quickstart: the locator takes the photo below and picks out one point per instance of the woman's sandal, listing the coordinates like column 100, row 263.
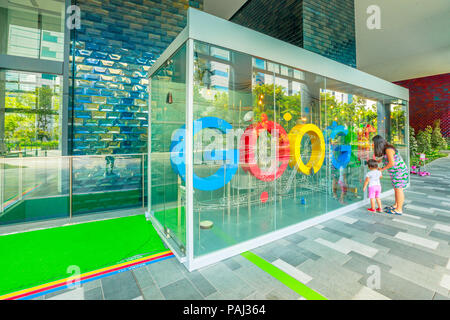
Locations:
column 389, row 208
column 393, row 211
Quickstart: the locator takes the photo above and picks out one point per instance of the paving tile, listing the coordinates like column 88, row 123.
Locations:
column 360, row 264
column 232, row 264
column 358, row 247
column 412, row 253
column 92, row 284
column 440, row 235
column 257, row 278
column 215, row 296
column 181, row 290
column 293, row 257
column 295, row 238
column 93, row 294
column 143, row 277
column 152, row 292
column 396, row 288
column 292, row 271
column 227, row 282
column 333, row 245
column 56, row 293
column 166, row 271
column 376, row 227
column 347, row 219
column 427, row 243
column 73, row 294
column 416, row 273
column 339, row 233
column 306, row 253
column 120, row 286
column 368, row 294
column 324, row 252
column 200, row 283
column 442, row 227
column 438, row 296
column 445, row 281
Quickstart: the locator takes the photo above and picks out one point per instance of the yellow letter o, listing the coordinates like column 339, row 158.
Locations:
column 317, row 143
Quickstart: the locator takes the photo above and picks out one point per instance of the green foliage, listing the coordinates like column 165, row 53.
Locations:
column 413, row 146
column 437, row 141
column 424, row 140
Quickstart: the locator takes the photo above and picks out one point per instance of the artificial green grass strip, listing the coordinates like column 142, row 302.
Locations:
column 282, row 276
column 38, row 257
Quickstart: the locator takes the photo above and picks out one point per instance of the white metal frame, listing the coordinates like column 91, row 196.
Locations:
column 213, row 30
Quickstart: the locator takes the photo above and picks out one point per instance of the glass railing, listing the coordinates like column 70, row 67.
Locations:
column 42, row 188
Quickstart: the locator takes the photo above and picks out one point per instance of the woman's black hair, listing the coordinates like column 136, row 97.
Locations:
column 380, row 145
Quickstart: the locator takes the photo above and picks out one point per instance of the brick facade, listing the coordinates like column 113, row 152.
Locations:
column 112, row 52
column 429, row 100
column 326, row 27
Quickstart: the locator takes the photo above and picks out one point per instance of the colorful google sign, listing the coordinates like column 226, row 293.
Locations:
column 288, row 151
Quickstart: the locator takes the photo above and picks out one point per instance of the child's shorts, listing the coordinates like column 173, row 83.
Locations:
column 374, row 192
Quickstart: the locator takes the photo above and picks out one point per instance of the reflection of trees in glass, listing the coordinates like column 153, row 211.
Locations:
column 31, row 119
column 398, row 122
column 355, row 114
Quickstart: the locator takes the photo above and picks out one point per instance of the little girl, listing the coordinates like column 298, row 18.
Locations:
column 373, row 180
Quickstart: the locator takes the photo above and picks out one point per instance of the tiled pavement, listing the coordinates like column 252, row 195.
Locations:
column 340, row 258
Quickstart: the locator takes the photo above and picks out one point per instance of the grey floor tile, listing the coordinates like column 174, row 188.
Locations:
column 360, row 264
column 438, row 296
column 152, row 293
column 295, row 238
column 166, row 271
column 56, row 293
column 232, row 264
column 294, row 258
column 92, row 284
column 227, row 282
column 121, row 286
column 412, row 253
column 339, row 233
column 440, row 235
column 397, row 288
column 181, row 290
column 93, row 294
column 143, row 277
column 200, row 283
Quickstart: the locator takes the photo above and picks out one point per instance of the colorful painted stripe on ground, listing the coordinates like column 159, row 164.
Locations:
column 86, row 277
column 285, row 278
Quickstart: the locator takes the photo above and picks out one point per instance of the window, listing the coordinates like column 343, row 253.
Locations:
column 30, row 107
column 33, row 29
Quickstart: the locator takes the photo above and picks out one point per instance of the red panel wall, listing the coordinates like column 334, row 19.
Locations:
column 429, row 100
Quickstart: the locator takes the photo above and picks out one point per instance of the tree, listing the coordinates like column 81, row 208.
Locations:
column 424, row 140
column 437, row 141
column 44, row 112
column 413, row 146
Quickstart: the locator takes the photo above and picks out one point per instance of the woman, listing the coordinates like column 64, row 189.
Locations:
column 397, row 169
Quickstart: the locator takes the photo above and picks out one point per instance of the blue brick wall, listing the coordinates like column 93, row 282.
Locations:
column 329, row 29
column 281, row 19
column 326, row 27
column 111, row 54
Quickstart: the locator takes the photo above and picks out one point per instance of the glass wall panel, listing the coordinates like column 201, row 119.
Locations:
column 259, row 147
column 33, row 29
column 30, row 114
column 167, row 130
column 33, row 189
column 110, row 182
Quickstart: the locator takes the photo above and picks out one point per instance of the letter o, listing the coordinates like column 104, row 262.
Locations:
column 318, row 148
